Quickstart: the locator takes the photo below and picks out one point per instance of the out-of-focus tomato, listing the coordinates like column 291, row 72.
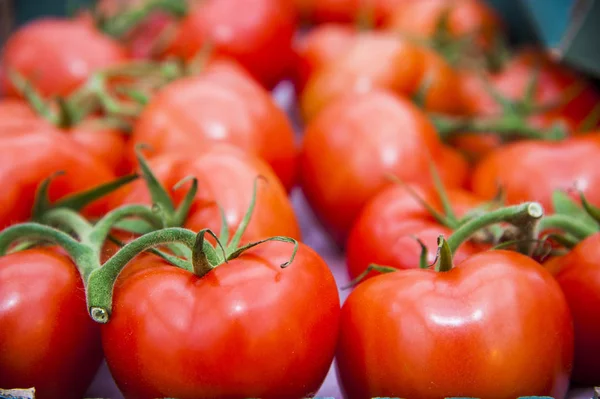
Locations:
column 387, row 229
column 354, row 144
column 222, row 105
column 57, row 55
column 47, row 339
column 258, row 34
column 495, row 326
column 226, row 178
column 320, row 11
column 533, row 170
column 579, row 278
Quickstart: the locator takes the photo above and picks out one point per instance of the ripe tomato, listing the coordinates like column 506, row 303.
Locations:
column 351, row 147
column 27, row 159
column 533, row 170
column 318, row 47
column 240, row 333
column 401, row 67
column 579, row 278
column 47, row 339
column 221, row 105
column 386, row 231
column 346, row 10
column 420, row 19
column 226, row 178
column 258, row 34
column 495, row 326
column 57, row 55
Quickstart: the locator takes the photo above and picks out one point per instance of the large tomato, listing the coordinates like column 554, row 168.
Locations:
column 533, row 170
column 57, row 55
column 579, row 278
column 495, row 326
column 223, row 104
column 226, row 178
column 27, row 159
column 237, row 332
column 354, row 144
column 387, row 229
column 257, row 33
column 400, row 66
column 47, row 339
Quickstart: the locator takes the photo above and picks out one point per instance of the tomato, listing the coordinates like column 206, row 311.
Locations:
column 246, row 325
column 386, row 231
column 579, row 278
column 221, row 105
column 420, row 19
column 346, row 10
column 318, row 47
column 57, row 55
column 29, row 158
column 401, row 67
column 47, row 339
column 495, row 326
column 258, row 34
column 354, row 144
column 533, row 170
column 226, row 178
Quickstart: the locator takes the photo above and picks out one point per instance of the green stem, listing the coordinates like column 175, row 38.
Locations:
column 102, row 281
column 568, row 224
column 69, row 219
column 204, row 256
column 444, row 261
column 524, row 216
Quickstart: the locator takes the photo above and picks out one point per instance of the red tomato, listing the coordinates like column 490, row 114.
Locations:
column 221, row 105
column 226, row 178
column 240, row 333
column 400, row 66
column 57, row 55
column 421, row 18
column 29, row 158
column 47, row 339
column 385, row 232
column 258, row 34
column 579, row 278
column 352, row 146
column 318, row 47
column 533, row 170
column 495, row 326
column 347, row 10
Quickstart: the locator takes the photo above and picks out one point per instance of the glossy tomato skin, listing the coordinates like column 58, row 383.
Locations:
column 236, row 332
column 496, row 326
column 465, row 17
column 226, row 177
column 57, row 55
column 47, row 339
column 258, row 34
column 533, row 170
column 386, row 230
column 352, row 146
column 26, row 159
column 222, row 105
column 579, row 278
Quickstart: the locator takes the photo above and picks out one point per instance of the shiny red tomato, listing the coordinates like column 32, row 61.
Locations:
column 495, row 326
column 232, row 333
column 222, row 105
column 420, row 19
column 57, row 55
column 400, row 66
column 47, row 339
column 533, row 170
column 579, row 278
column 26, row 159
column 386, row 231
column 258, row 34
column 226, row 178
column 354, row 144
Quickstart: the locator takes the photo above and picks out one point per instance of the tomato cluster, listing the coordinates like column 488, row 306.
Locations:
column 147, row 220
